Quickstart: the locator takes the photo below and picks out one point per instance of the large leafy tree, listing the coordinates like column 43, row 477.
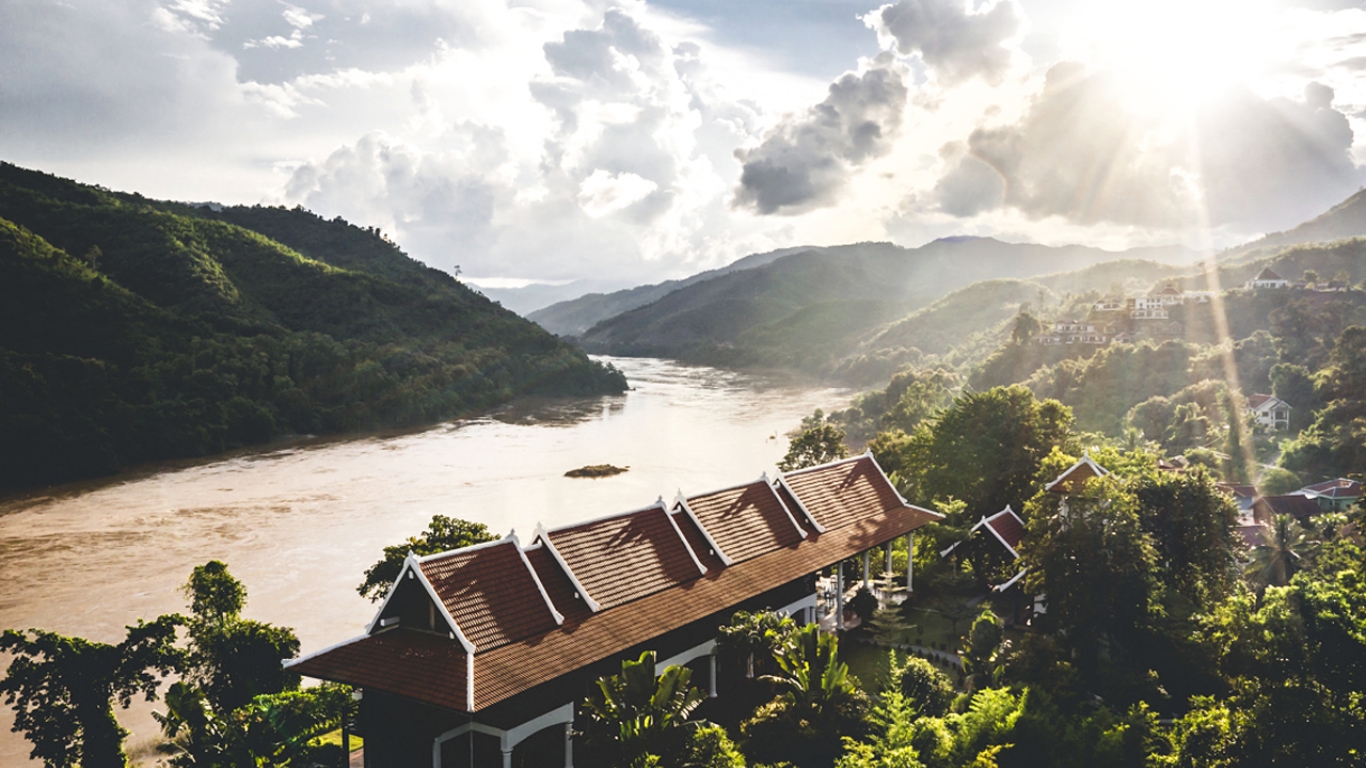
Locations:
column 63, row 689
column 818, row 442
column 1089, row 553
column 443, row 534
column 233, row 659
column 985, row 449
column 638, row 712
column 752, row 639
column 1335, row 444
column 1194, row 529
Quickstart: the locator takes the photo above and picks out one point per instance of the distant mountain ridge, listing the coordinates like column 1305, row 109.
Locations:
column 134, row 330
column 809, row 308
column 1344, row 220
column 573, row 317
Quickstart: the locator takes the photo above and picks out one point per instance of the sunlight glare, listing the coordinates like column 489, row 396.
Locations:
column 1168, row 55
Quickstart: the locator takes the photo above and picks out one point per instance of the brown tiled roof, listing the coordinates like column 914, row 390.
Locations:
column 700, row 546
column 1299, row 507
column 1256, row 400
column 1007, row 527
column 490, row 593
column 421, row 665
column 561, row 590
column 1341, row 488
column 638, row 567
column 515, row 668
column 624, row 558
column 746, row 521
column 808, row 521
column 840, row 493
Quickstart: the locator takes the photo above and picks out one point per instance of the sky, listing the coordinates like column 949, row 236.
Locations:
column 618, row 142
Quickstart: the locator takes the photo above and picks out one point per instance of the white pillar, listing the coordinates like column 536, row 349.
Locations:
column 839, row 597
column 507, row 758
column 711, row 668
column 568, row 745
column 866, row 554
column 887, row 572
column 910, row 562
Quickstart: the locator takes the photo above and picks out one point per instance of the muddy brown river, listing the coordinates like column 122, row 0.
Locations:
column 300, row 523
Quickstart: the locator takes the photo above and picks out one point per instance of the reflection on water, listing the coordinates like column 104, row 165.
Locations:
column 299, row 524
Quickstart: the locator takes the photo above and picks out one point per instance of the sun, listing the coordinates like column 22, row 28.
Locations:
column 1169, row 55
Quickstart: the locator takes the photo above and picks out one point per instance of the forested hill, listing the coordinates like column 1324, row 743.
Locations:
column 806, row 310
column 134, row 330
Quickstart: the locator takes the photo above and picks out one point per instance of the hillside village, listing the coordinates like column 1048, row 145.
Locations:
column 1130, row 319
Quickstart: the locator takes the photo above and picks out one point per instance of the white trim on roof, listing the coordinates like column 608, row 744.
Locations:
column 1085, row 459
column 441, row 604
column 800, row 504
column 543, row 535
column 682, row 501
column 287, row 663
column 460, row 551
column 764, row 480
column 1011, row 583
column 827, row 464
column 987, row 521
column 702, row 569
column 559, row 617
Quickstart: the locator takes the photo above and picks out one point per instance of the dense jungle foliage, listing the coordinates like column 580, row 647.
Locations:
column 135, row 330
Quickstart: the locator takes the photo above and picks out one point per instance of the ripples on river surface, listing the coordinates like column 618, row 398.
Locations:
column 300, row 524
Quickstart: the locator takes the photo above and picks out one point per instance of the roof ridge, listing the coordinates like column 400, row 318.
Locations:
column 682, row 501
column 602, row 518
column 542, row 534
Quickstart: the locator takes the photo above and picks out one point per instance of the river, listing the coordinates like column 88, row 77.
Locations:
column 300, row 524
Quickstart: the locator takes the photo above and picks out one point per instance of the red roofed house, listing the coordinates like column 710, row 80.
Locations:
column 1007, row 529
column 1074, row 477
column 484, row 652
column 1333, row 495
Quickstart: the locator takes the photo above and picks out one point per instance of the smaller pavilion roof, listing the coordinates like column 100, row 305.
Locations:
column 1269, row 274
column 1259, row 402
column 1077, row 474
column 1005, row 526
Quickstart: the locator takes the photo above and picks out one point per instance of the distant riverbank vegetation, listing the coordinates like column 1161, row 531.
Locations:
column 135, row 330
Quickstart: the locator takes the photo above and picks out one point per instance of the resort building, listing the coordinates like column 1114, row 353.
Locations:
column 482, row 655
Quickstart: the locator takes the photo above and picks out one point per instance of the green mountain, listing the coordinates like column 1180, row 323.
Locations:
column 807, row 310
column 1343, row 221
column 135, row 330
column 575, row 316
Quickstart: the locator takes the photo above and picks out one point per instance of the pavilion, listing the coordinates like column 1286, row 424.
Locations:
column 481, row 655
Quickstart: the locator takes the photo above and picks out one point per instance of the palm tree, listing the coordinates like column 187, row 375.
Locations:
column 1277, row 560
column 755, row 636
column 637, row 713
column 813, row 681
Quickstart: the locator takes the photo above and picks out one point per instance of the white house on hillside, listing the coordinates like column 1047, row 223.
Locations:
column 1270, row 412
column 1268, row 279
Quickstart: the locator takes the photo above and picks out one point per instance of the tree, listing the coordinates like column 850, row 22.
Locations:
column 1193, row 525
column 818, row 703
column 442, row 535
column 1026, row 328
column 753, row 638
column 926, row 688
column 983, row 651
column 1277, row 559
column 638, row 713
column 63, row 689
column 889, row 626
column 279, row 729
column 985, row 449
column 1276, row 481
column 1098, row 566
column 819, row 442
column 232, row 659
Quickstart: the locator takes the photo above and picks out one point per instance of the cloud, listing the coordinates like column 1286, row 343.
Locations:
column 806, row 160
column 1082, row 153
column 956, row 42
column 603, row 193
